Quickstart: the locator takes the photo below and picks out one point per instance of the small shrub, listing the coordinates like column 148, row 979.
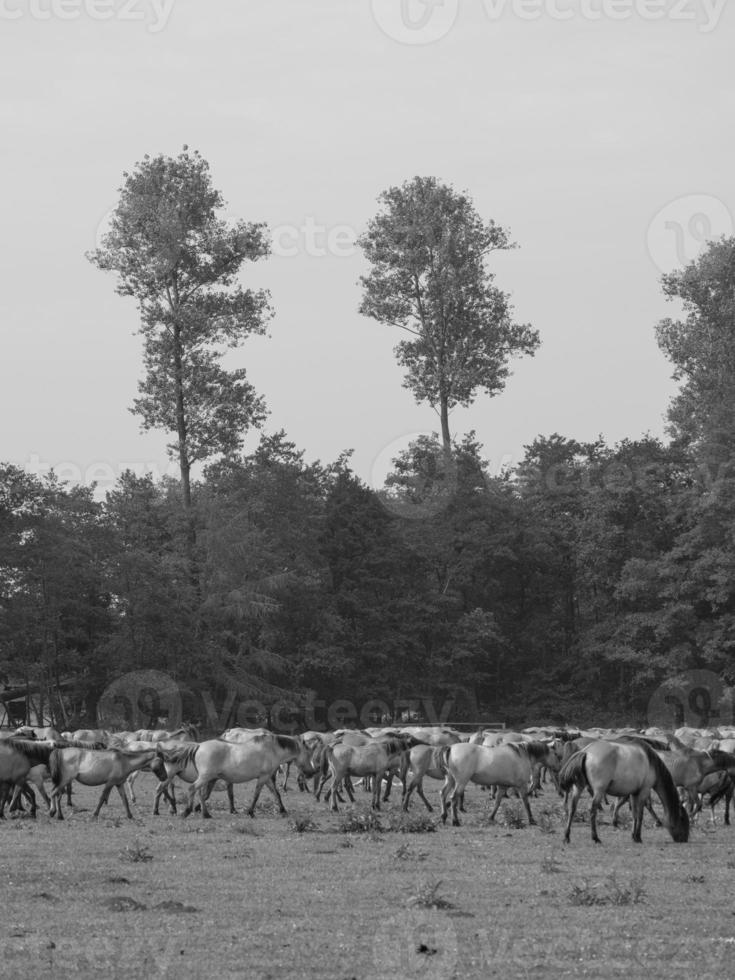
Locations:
column 427, row 897
column 545, row 823
column 550, row 865
column 244, row 828
column 407, row 823
column 610, row 892
column 360, row 822
column 513, row 815
column 404, row 853
column 136, row 852
column 303, row 825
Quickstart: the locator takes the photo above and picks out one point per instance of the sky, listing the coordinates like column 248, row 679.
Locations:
column 598, row 131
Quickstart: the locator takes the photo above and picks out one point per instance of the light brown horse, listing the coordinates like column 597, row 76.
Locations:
column 625, row 769
column 508, row 766
column 95, row 767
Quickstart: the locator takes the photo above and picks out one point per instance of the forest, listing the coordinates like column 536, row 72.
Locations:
column 563, row 591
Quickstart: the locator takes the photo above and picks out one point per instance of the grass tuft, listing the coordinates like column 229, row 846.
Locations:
column 303, row 825
column 427, row 897
column 358, row 821
column 407, row 823
column 550, row 865
column 135, row 853
column 610, row 892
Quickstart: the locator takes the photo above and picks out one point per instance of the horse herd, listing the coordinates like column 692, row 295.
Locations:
column 683, row 768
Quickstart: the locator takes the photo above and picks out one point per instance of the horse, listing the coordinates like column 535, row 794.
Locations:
column 419, row 762
column 134, row 744
column 96, row 767
column 17, row 758
column 241, row 762
column 378, row 756
column 179, row 760
column 505, row 766
column 623, row 768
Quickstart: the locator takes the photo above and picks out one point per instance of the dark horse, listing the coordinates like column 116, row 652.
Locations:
column 622, row 768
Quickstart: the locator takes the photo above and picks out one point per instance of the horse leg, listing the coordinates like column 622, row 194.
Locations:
column 231, row 796
column 271, row 784
column 576, row 792
column 500, row 795
column 656, row 819
column 636, row 805
column 347, row 783
column 524, row 799
column 617, row 807
column 445, row 793
column 377, row 784
column 595, row 807
column 258, row 787
column 124, row 797
column 104, row 797
column 420, row 791
column 388, row 787
column 130, row 784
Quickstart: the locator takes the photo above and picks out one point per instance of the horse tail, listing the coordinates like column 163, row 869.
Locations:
column 443, row 758
column 721, row 793
column 574, row 772
column 54, row 766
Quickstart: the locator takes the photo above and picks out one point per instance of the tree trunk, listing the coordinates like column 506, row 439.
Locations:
column 446, row 436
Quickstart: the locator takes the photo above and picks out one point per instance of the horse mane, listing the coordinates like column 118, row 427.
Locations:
column 287, row 742
column 183, row 753
column 32, row 750
column 657, row 744
column 666, row 789
column 536, row 750
column 516, row 747
column 73, row 743
column 724, row 759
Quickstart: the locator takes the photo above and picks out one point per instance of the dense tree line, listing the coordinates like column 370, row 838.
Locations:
column 567, row 589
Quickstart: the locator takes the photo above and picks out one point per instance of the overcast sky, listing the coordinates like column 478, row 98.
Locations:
column 598, row 131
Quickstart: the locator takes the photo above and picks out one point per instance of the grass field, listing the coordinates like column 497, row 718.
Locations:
column 162, row 897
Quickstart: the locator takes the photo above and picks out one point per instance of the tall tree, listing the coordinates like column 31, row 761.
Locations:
column 428, row 276
column 180, row 260
column 701, row 347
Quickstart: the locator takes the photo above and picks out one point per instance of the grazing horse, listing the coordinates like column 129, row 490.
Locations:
column 96, row 767
column 241, row 762
column 623, row 768
column 505, row 766
column 17, row 758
